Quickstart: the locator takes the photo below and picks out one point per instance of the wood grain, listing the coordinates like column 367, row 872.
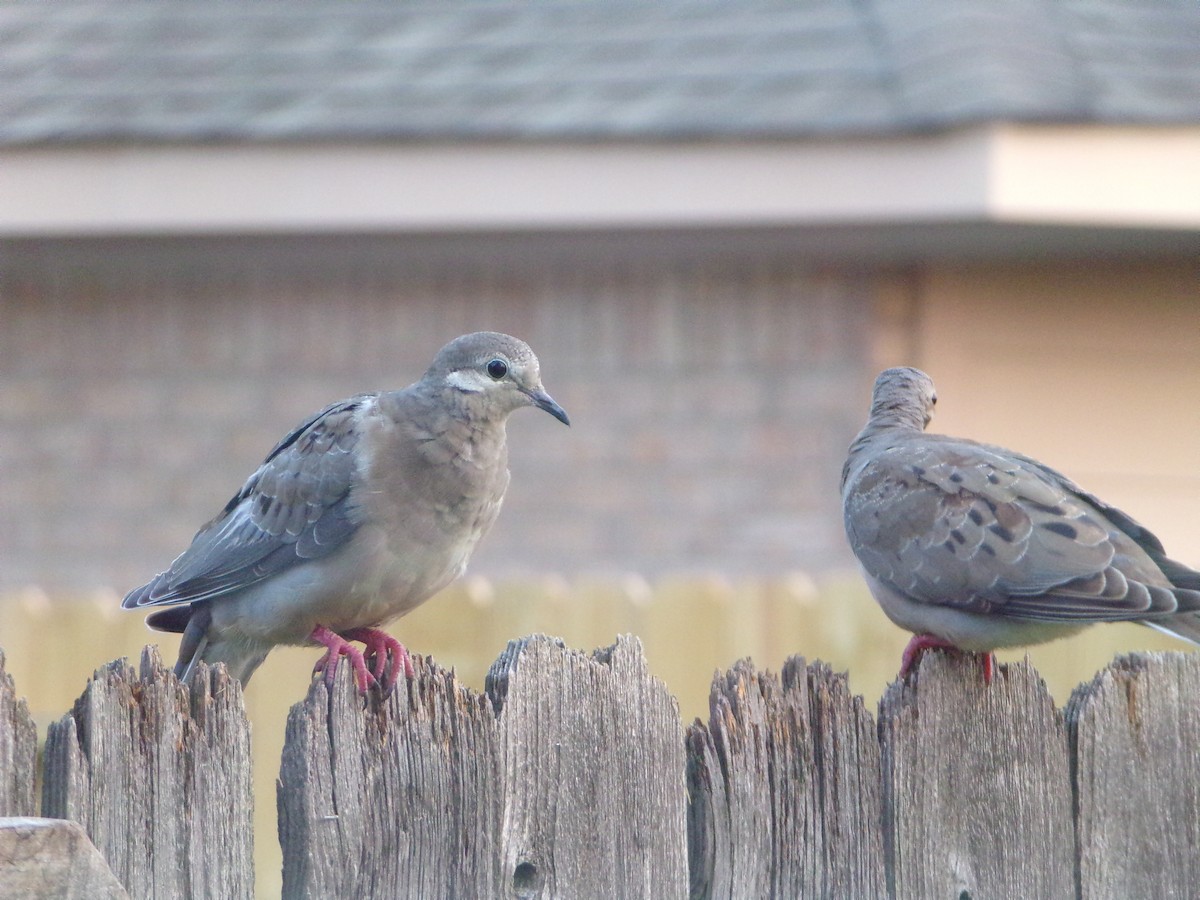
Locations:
column 784, row 788
column 1135, row 732
column 44, row 858
column 391, row 798
column 18, row 750
column 977, row 784
column 158, row 775
column 564, row 779
column 593, row 762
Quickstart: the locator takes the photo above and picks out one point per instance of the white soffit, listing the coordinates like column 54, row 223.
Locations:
column 1127, row 176
column 1145, row 177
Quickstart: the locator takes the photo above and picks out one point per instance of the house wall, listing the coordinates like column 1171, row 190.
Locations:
column 142, row 381
column 712, row 401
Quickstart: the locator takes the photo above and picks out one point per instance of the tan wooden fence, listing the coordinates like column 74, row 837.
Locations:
column 572, row 775
column 689, row 627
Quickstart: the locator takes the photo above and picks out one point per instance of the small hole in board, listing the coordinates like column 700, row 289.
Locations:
column 527, row 880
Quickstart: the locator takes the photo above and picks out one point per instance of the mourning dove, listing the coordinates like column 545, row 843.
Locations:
column 360, row 514
column 975, row 547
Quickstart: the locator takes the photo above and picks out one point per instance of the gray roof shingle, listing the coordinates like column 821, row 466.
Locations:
column 148, row 70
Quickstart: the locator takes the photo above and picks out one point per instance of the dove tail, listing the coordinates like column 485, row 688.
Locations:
column 173, row 618
column 1181, row 576
column 1185, row 626
column 200, row 644
column 195, row 639
column 193, row 621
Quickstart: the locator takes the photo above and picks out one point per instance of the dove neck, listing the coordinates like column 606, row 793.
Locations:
column 881, row 427
column 440, row 405
column 890, row 413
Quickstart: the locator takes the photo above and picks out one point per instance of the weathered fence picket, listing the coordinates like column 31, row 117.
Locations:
column 571, row 776
column 1135, row 737
column 564, row 780
column 159, row 777
column 390, row 798
column 977, row 784
column 595, row 800
column 18, row 750
column 784, row 788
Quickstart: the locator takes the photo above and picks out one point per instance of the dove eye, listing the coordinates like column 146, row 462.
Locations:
column 497, row 369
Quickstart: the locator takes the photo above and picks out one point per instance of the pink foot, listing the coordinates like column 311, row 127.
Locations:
column 337, row 647
column 922, row 642
column 385, row 649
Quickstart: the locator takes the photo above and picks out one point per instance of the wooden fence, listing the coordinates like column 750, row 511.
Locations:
column 573, row 776
column 689, row 626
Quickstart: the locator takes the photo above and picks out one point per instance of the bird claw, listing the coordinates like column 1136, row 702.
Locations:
column 387, row 655
column 336, row 647
column 922, row 642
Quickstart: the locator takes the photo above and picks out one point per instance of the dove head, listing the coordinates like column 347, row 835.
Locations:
column 495, row 373
column 903, row 396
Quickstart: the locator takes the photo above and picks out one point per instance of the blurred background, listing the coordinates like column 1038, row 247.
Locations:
column 714, row 222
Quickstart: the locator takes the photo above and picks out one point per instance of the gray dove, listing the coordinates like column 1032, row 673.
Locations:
column 359, row 515
column 974, row 547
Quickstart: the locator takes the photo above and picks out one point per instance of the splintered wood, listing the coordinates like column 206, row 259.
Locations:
column 564, row 779
column 784, row 787
column 18, row 750
column 159, row 777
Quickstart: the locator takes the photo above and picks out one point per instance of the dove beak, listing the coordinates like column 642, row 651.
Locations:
column 545, row 402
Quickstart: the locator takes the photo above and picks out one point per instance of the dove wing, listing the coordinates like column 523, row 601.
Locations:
column 947, row 521
column 297, row 506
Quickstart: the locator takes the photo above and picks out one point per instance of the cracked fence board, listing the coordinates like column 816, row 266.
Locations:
column 564, row 780
column 1135, row 732
column 18, row 750
column 977, row 784
column 785, row 797
column 391, row 798
column 158, row 775
column 593, row 759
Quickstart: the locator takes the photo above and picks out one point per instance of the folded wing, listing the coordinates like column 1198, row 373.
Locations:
column 297, row 506
column 950, row 522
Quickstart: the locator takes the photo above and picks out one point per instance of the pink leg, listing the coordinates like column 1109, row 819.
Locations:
column 385, row 649
column 922, row 642
column 336, row 648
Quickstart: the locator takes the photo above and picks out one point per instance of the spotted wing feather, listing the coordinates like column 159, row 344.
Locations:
column 947, row 521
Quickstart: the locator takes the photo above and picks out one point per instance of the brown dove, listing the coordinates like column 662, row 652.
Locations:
column 974, row 547
column 359, row 515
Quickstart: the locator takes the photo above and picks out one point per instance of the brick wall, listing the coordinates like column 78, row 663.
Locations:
column 141, row 382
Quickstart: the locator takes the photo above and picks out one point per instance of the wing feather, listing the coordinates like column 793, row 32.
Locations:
column 951, row 522
column 297, row 506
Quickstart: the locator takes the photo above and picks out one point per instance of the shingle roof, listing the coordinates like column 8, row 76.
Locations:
column 137, row 70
